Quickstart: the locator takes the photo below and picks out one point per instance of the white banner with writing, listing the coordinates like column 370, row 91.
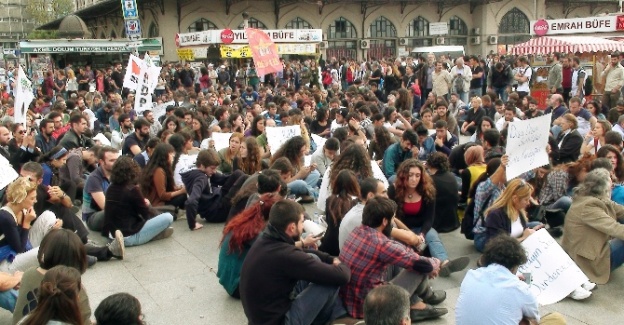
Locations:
column 554, row 274
column 185, row 163
column 23, row 97
column 526, row 145
column 278, row 135
column 7, row 174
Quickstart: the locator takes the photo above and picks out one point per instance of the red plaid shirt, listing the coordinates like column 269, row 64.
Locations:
column 368, row 252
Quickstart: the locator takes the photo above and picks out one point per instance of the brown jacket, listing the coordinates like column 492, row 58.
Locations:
column 590, row 224
column 158, row 194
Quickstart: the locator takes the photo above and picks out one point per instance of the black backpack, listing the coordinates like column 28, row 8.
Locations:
column 469, row 221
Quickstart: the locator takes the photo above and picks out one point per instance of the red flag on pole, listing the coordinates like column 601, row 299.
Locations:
column 263, row 52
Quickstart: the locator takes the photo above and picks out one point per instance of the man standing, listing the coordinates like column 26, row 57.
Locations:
column 476, row 84
column 614, row 74
column 555, row 76
column 368, row 252
column 566, row 78
column 578, row 79
column 283, row 284
column 93, row 195
column 441, row 81
column 499, row 80
column 75, row 138
column 135, row 143
column 523, row 77
column 462, row 75
column 44, row 140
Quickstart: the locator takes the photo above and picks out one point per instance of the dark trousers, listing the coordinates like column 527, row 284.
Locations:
column 178, row 201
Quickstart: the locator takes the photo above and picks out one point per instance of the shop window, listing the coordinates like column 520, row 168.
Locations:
column 382, row 28
column 201, row 25
column 418, row 27
column 514, row 22
column 298, row 23
column 253, row 23
column 457, row 26
column 341, row 49
column 153, row 30
column 341, row 28
column 382, row 49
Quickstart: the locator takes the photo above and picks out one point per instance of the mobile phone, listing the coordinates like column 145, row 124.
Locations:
column 528, row 278
column 320, row 235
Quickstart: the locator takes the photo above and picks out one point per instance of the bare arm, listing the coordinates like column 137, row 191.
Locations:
column 99, row 199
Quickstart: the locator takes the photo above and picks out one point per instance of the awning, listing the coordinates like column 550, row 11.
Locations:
column 574, row 44
column 87, row 46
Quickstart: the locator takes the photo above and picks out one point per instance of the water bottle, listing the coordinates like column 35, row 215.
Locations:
column 316, row 218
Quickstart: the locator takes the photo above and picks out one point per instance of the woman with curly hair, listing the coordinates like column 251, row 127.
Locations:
column 227, row 154
column 199, row 130
column 157, row 183
column 305, row 178
column 615, row 157
column 382, row 139
column 344, row 188
column 404, row 101
column 415, row 196
column 447, row 196
column 249, row 159
column 128, row 211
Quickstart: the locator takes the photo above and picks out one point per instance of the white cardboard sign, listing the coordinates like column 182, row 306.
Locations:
column 278, row 135
column 526, row 145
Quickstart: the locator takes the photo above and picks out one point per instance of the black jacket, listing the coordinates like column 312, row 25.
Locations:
column 271, row 270
column 204, row 195
column 570, row 148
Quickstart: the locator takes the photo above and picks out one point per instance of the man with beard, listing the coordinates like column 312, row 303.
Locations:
column 75, row 136
column 369, row 252
column 533, row 112
column 44, row 140
column 284, row 284
column 135, row 143
column 614, row 75
column 93, row 195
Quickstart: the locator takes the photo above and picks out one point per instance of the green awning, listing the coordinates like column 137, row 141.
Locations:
column 87, row 46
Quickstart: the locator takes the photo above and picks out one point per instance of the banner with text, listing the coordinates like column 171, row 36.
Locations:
column 264, row 52
column 23, row 97
column 235, row 51
column 278, row 135
column 554, row 274
column 526, row 145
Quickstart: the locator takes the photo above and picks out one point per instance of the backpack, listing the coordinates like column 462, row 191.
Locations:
column 469, row 221
column 531, row 79
column 588, row 87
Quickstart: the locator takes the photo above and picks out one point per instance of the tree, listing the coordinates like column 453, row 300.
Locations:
column 45, row 11
column 42, row 34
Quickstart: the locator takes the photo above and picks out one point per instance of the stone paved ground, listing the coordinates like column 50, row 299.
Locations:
column 175, row 281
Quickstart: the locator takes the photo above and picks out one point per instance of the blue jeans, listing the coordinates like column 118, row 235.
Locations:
column 314, row 303
column 463, row 95
column 307, row 186
column 562, row 203
column 150, row 229
column 617, row 253
column 436, row 248
column 478, row 92
column 416, row 104
column 8, row 299
column 502, row 93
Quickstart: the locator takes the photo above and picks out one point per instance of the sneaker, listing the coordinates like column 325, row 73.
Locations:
column 306, row 199
column 580, row 294
column 453, row 266
column 428, row 313
column 589, row 286
column 91, row 260
column 117, row 247
column 164, row 234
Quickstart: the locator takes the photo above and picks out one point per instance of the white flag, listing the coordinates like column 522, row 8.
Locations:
column 133, row 72
column 23, row 97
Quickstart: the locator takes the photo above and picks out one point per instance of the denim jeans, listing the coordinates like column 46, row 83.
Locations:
column 307, row 186
column 562, row 203
column 8, row 299
column 313, row 303
column 502, row 93
column 463, row 95
column 150, row 229
column 617, row 253
column 436, row 248
column 480, row 241
column 478, row 92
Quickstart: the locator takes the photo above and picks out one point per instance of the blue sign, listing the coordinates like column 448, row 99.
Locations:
column 129, row 8
column 133, row 29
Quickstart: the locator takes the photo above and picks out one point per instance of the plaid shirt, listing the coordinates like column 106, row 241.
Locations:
column 368, row 252
column 555, row 187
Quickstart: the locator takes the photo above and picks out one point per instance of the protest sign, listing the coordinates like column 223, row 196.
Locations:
column 133, row 71
column 277, row 135
column 23, row 97
column 554, row 273
column 264, row 52
column 185, row 163
column 320, row 141
column 221, row 140
column 526, row 145
column 161, row 109
column 7, row 175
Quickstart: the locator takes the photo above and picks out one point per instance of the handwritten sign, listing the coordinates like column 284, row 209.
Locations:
column 221, row 140
column 277, row 136
column 7, row 174
column 161, row 109
column 185, row 163
column 554, row 273
column 526, row 145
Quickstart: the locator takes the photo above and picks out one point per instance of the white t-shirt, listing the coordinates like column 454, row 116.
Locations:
column 516, row 228
column 527, row 72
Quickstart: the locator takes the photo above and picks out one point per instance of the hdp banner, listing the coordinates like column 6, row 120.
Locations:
column 264, row 52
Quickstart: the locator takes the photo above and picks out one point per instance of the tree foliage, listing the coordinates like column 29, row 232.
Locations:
column 45, row 11
column 43, row 34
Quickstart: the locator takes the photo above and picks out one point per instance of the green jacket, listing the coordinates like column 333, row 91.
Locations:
column 230, row 265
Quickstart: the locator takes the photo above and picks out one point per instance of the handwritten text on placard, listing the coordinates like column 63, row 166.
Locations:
column 526, row 145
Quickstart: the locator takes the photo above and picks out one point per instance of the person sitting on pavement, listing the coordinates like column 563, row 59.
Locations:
column 75, row 137
column 369, row 252
column 275, row 268
column 44, row 140
column 305, row 178
column 128, row 213
column 156, row 180
column 443, row 139
column 9, row 284
column 399, row 152
column 119, row 308
column 266, row 181
column 323, row 158
column 494, row 295
column 344, row 188
column 387, row 304
column 94, row 193
column 143, row 158
column 135, row 143
column 79, row 162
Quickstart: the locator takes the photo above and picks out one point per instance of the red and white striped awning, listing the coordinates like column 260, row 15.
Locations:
column 580, row 44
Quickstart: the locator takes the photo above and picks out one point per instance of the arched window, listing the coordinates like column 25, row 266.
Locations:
column 153, row 30
column 298, row 23
column 253, row 23
column 113, row 34
column 341, row 28
column 382, row 27
column 418, row 27
column 514, row 28
column 102, row 35
column 201, row 25
column 457, row 26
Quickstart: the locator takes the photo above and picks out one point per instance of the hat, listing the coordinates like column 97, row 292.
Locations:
column 344, row 112
column 222, row 66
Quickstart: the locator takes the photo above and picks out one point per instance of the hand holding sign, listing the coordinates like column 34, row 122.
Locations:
column 526, row 143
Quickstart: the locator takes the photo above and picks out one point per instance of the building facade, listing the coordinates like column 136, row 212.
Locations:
column 15, row 24
column 358, row 29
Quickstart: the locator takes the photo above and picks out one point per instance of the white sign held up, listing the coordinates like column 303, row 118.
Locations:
column 7, row 175
column 526, row 145
column 185, row 163
column 277, row 136
column 221, row 140
column 554, row 274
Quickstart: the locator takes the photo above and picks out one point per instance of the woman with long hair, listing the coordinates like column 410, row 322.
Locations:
column 157, row 183
column 228, row 154
column 51, row 162
column 344, row 188
column 296, row 118
column 594, row 108
column 447, row 196
column 257, row 127
column 249, row 159
column 485, row 124
column 404, row 101
column 476, row 166
column 615, row 157
column 381, row 140
column 72, row 82
column 426, row 116
column 415, row 195
column 172, row 124
column 128, row 211
column 305, row 178
column 321, row 125
column 595, row 139
column 238, row 236
column 236, row 121
column 58, row 298
column 199, row 130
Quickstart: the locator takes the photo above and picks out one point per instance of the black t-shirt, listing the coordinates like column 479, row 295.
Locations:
column 476, row 82
column 130, row 141
column 377, row 76
column 316, row 128
column 476, row 117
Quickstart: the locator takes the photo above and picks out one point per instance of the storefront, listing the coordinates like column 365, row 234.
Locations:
column 233, row 44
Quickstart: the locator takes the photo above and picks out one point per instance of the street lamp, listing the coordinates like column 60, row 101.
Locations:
column 245, row 20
